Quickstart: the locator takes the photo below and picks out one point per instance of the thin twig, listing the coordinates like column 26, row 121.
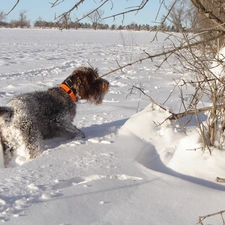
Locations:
column 95, row 10
column 169, row 52
column 201, row 218
column 137, row 9
column 69, row 11
column 13, row 7
column 220, row 180
column 56, row 3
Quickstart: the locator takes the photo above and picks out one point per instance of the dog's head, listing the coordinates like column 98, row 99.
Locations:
column 88, row 85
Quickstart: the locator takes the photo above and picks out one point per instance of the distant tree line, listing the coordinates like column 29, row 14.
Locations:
column 23, row 22
column 101, row 26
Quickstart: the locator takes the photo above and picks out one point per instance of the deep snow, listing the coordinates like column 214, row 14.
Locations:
column 127, row 170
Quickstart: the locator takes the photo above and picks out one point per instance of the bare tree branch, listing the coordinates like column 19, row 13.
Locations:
column 169, row 11
column 220, row 180
column 165, row 53
column 76, row 6
column 208, row 14
column 136, row 9
column 13, row 7
column 95, row 10
column 56, row 3
column 177, row 116
column 201, row 218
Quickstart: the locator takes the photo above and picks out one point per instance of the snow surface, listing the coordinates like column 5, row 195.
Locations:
column 131, row 168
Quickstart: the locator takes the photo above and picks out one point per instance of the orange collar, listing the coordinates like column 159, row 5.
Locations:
column 69, row 92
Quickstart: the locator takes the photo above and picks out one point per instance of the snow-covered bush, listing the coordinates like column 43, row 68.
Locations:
column 209, row 94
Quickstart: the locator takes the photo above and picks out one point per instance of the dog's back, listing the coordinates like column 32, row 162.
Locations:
column 45, row 109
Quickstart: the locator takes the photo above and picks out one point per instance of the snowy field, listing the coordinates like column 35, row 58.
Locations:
column 127, row 170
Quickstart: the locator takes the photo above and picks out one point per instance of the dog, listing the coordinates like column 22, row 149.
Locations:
column 30, row 118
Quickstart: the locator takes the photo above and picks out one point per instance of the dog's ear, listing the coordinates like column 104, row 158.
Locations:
column 85, row 76
column 78, row 81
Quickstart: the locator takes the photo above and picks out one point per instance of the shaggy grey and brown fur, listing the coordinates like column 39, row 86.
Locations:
column 32, row 117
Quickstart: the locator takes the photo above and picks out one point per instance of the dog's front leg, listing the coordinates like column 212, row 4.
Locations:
column 73, row 131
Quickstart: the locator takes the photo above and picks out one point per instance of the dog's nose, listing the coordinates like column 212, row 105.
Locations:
column 106, row 82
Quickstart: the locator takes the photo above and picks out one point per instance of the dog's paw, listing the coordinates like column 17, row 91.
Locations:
column 81, row 134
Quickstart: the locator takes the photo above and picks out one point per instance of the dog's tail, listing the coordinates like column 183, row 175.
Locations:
column 6, row 114
column 1, row 154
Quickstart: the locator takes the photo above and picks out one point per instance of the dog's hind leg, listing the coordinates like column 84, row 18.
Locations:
column 31, row 139
column 6, row 152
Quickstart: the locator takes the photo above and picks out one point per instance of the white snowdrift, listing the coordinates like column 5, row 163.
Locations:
column 170, row 148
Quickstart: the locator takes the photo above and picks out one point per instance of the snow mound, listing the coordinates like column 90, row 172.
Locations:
column 169, row 148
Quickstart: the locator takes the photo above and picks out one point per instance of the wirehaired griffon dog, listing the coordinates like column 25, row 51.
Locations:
column 31, row 117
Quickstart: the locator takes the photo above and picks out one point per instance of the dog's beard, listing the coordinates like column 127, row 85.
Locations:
column 96, row 99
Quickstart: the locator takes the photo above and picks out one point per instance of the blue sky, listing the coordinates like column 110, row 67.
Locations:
column 42, row 8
